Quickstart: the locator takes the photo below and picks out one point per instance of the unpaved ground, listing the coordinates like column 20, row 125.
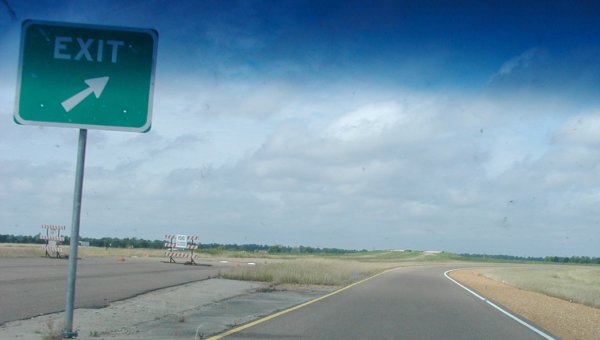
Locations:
column 562, row 318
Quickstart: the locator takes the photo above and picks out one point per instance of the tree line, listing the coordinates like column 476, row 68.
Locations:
column 572, row 259
column 555, row 259
column 134, row 242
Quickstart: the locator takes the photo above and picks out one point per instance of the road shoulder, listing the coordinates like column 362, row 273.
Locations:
column 562, row 318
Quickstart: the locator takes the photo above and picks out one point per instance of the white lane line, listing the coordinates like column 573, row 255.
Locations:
column 539, row 332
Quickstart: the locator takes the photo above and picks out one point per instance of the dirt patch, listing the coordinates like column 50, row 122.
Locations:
column 562, row 318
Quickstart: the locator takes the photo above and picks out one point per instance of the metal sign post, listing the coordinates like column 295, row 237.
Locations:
column 68, row 332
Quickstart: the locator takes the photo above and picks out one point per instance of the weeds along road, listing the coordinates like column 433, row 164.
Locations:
column 34, row 286
column 407, row 303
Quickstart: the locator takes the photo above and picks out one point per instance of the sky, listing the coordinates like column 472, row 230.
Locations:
column 471, row 127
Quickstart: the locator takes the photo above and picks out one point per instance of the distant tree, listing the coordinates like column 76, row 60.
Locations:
column 275, row 249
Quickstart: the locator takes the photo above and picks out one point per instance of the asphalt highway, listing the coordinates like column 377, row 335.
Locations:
column 409, row 303
column 31, row 287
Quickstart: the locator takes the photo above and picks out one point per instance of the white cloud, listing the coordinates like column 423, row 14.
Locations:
column 387, row 168
column 523, row 60
column 581, row 130
column 368, row 121
column 289, row 147
column 520, row 63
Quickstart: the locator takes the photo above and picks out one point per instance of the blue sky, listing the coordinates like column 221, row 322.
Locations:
column 471, row 127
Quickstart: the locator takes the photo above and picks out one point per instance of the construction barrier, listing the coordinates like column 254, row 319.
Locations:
column 178, row 245
column 53, row 226
column 188, row 237
column 53, row 238
column 178, row 254
column 189, row 246
column 47, row 248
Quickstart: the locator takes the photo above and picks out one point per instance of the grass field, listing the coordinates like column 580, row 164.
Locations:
column 302, row 269
column 579, row 284
column 331, row 269
column 575, row 283
column 8, row 250
column 12, row 250
column 309, row 271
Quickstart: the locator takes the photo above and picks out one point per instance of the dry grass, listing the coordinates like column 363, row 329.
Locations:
column 13, row 250
column 563, row 319
column 53, row 330
column 579, row 284
column 309, row 271
column 124, row 252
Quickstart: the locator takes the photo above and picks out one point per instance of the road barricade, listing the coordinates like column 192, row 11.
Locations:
column 181, row 246
column 54, row 240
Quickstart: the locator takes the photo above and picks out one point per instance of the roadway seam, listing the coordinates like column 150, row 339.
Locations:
column 503, row 311
column 291, row 309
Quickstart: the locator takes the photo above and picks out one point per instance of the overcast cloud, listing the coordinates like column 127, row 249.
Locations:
column 366, row 137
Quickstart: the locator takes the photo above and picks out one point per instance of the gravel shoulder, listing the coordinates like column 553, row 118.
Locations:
column 562, row 318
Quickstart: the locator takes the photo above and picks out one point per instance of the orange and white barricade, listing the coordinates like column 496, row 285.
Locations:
column 53, row 240
column 178, row 245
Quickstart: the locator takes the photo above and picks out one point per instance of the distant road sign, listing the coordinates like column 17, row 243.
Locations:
column 86, row 76
column 181, row 242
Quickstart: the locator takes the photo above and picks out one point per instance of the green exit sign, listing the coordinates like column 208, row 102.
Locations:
column 86, row 76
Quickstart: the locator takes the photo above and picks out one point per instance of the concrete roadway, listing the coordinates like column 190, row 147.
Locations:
column 31, row 287
column 408, row 303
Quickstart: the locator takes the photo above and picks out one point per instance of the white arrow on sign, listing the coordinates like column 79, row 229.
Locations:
column 95, row 85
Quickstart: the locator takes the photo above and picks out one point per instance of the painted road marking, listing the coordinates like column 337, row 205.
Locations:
column 503, row 311
column 272, row 316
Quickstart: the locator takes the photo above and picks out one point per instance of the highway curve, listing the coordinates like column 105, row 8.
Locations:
column 407, row 303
